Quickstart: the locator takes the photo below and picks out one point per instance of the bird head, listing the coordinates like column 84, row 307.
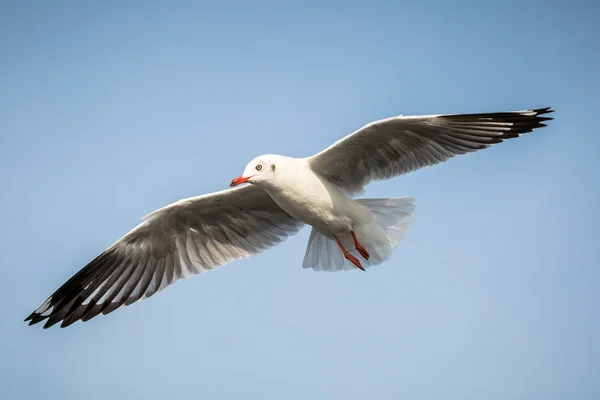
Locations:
column 259, row 170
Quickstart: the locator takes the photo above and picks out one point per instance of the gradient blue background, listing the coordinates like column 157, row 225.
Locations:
column 113, row 109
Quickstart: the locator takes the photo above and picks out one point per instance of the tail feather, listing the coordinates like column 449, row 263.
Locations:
column 391, row 221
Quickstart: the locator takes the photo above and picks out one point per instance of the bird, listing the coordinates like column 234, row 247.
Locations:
column 273, row 199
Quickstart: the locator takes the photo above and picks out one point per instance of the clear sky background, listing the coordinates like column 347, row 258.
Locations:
column 112, row 109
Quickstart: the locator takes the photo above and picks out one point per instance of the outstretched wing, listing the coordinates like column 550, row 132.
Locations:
column 397, row 145
column 187, row 237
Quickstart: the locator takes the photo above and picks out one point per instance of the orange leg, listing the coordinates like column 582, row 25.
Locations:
column 348, row 256
column 363, row 252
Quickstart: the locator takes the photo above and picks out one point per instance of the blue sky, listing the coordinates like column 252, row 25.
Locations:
column 113, row 109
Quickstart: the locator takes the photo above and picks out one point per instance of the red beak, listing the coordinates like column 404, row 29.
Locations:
column 239, row 180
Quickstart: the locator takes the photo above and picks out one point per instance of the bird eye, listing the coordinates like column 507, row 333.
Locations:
column 258, row 167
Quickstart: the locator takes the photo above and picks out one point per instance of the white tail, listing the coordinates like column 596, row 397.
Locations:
column 391, row 220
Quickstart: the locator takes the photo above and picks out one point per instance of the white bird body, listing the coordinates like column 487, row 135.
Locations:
column 335, row 218
column 202, row 233
column 309, row 198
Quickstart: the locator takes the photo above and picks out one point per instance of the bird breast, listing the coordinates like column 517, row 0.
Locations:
column 313, row 200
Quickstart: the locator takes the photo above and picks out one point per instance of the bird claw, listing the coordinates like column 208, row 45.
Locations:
column 347, row 255
column 363, row 252
column 354, row 261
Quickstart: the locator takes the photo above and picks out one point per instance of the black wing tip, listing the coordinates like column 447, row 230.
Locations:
column 509, row 116
column 50, row 323
column 543, row 111
column 66, row 306
column 517, row 123
column 35, row 318
column 70, row 318
column 538, row 121
column 524, row 122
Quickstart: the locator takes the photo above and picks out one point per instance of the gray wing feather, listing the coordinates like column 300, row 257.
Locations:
column 187, row 237
column 398, row 145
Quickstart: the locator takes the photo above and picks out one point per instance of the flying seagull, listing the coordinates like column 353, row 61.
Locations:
column 281, row 196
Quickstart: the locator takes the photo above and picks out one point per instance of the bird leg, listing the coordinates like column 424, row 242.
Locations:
column 348, row 256
column 363, row 252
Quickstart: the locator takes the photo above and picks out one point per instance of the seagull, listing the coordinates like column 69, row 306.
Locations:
column 281, row 195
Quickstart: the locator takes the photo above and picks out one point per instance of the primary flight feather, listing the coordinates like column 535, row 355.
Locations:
column 283, row 194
